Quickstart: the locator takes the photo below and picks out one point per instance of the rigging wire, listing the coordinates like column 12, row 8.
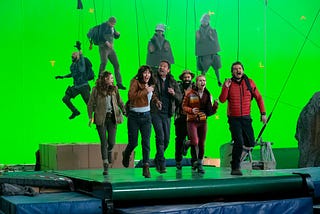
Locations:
column 289, row 75
column 138, row 37
column 186, row 37
column 238, row 48
column 293, row 27
column 195, row 30
column 94, row 11
column 167, row 12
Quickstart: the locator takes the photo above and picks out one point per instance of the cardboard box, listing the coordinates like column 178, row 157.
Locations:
column 61, row 157
column 117, row 156
column 211, row 162
column 44, row 156
column 78, row 156
column 95, row 159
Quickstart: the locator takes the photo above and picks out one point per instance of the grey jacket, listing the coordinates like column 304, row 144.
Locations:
column 162, row 51
column 207, row 41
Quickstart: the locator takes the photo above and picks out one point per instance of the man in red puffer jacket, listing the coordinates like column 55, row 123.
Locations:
column 239, row 91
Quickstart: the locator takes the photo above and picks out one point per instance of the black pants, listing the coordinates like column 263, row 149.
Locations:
column 72, row 92
column 242, row 135
column 181, row 134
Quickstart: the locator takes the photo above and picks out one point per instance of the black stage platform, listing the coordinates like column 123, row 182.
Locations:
column 126, row 189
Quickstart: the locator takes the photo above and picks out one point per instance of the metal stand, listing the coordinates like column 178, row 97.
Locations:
column 267, row 159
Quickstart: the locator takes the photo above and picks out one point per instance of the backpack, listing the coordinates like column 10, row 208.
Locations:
column 94, row 34
column 246, row 79
column 89, row 70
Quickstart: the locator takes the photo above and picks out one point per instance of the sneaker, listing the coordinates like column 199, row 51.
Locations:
column 120, row 86
column 186, row 145
column 236, row 172
column 178, row 165
column 200, row 169
column 194, row 166
column 125, row 159
column 74, row 114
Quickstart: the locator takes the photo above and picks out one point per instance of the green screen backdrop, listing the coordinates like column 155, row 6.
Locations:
column 277, row 41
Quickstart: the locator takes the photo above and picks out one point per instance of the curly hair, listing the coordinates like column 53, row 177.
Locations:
column 101, row 85
column 139, row 75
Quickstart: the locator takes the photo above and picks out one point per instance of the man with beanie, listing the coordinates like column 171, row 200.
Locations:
column 107, row 33
column 180, row 122
column 159, row 49
column 207, row 48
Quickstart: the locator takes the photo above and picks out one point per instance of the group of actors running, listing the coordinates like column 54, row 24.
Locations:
column 155, row 97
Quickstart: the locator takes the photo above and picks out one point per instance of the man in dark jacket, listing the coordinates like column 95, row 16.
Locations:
column 180, row 121
column 80, row 82
column 107, row 33
column 167, row 94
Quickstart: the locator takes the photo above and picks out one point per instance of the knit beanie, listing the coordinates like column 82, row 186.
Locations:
column 205, row 19
column 160, row 27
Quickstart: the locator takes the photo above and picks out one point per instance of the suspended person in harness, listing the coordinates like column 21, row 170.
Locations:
column 239, row 91
column 103, row 36
column 81, row 72
column 159, row 49
column 207, row 48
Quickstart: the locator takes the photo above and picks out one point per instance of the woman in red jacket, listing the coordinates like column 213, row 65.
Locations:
column 198, row 106
column 239, row 91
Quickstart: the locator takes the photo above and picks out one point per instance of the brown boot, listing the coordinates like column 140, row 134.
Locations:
column 146, row 171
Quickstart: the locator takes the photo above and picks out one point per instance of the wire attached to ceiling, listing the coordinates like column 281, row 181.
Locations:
column 290, row 73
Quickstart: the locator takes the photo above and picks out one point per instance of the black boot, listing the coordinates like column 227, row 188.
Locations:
column 105, row 167
column 146, row 171
column 110, row 157
column 125, row 159
column 74, row 114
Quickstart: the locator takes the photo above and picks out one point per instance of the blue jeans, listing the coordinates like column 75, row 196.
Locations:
column 161, row 125
column 139, row 122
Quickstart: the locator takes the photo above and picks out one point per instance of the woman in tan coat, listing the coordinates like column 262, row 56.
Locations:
column 106, row 103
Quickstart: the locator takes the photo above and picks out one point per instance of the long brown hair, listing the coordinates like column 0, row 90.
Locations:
column 101, row 85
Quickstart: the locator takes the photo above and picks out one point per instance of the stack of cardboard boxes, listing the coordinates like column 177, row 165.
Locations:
column 55, row 156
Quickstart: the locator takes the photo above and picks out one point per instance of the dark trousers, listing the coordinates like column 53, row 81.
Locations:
column 72, row 92
column 109, row 54
column 139, row 122
column 161, row 125
column 180, row 125
column 107, row 143
column 242, row 135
